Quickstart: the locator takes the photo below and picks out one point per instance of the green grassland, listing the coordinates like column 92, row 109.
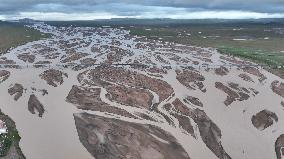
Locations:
column 217, row 36
column 10, row 141
column 14, row 34
column 263, row 43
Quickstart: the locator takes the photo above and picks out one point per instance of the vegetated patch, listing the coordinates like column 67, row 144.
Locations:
column 278, row 88
column 130, row 96
column 185, row 123
column 53, row 77
column 17, row 90
column 191, row 79
column 235, row 92
column 256, row 72
column 26, row 57
column 222, row 71
column 73, row 57
column 259, row 50
column 9, row 143
column 113, row 138
column 260, row 58
column 35, row 105
column 104, row 76
column 4, row 75
column 209, row 131
column 279, row 145
column 15, row 34
column 89, row 99
column 264, row 119
column 246, row 77
column 193, row 100
column 273, row 64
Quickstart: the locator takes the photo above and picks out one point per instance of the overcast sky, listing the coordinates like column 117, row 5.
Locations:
column 105, row 9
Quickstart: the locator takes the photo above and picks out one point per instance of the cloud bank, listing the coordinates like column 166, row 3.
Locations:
column 105, row 9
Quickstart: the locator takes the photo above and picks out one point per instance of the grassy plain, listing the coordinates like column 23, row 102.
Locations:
column 14, row 34
column 260, row 43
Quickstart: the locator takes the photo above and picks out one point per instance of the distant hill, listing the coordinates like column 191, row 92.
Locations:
column 27, row 21
column 168, row 22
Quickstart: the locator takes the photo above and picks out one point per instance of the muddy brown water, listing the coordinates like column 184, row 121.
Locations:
column 54, row 135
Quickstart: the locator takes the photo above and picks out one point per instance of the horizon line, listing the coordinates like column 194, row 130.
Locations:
column 127, row 18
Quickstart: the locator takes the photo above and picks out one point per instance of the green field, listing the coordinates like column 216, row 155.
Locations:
column 10, row 141
column 259, row 43
column 14, row 34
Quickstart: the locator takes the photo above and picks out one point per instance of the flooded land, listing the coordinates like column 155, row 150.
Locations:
column 100, row 92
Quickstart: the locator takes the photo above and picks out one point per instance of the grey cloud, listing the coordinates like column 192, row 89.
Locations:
column 132, row 7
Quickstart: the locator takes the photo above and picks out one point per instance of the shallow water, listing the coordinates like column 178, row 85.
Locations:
column 54, row 135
